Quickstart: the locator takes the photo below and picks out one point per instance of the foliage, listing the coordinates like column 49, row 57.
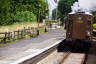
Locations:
column 64, row 7
column 24, row 16
column 10, row 10
column 50, row 21
column 30, row 5
column 94, row 19
column 94, row 26
column 54, row 14
column 4, row 12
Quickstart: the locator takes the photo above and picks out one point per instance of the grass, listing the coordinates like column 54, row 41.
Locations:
column 2, row 44
column 42, row 30
column 17, row 26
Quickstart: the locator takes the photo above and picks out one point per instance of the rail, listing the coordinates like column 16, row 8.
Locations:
column 73, row 58
column 65, row 57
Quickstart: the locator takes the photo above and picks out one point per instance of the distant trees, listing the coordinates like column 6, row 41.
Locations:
column 12, row 11
column 64, row 7
column 5, row 10
column 54, row 14
column 24, row 16
column 94, row 15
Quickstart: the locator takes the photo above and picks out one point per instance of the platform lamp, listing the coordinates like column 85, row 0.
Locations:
column 47, row 18
column 38, row 17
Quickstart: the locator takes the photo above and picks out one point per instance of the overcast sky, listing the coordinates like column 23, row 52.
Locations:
column 52, row 5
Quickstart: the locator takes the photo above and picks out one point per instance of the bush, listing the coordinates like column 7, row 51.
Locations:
column 51, row 21
column 94, row 26
column 25, row 16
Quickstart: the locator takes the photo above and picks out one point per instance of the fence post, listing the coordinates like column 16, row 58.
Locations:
column 11, row 35
column 46, row 29
column 8, row 35
column 37, row 32
column 24, row 31
column 28, row 28
column 21, row 34
column 14, row 36
column 18, row 34
column 32, row 31
column 5, row 37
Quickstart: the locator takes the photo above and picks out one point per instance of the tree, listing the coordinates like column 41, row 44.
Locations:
column 64, row 7
column 30, row 5
column 10, row 9
column 54, row 14
column 94, row 19
column 5, row 12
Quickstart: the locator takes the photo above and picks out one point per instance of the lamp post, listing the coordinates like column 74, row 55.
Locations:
column 57, row 9
column 46, row 17
column 38, row 18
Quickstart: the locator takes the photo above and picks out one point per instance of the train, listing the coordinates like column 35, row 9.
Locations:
column 78, row 32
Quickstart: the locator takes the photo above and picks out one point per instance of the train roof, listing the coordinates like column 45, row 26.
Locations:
column 87, row 13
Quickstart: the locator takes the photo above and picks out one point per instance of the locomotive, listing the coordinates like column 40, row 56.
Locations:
column 78, row 32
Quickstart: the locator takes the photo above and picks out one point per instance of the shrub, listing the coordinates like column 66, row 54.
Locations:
column 94, row 26
column 25, row 16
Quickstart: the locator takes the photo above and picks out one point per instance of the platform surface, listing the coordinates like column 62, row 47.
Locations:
column 12, row 52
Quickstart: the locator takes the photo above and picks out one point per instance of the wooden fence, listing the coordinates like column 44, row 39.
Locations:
column 19, row 34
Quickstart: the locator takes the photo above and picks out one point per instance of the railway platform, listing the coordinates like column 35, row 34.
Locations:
column 21, row 49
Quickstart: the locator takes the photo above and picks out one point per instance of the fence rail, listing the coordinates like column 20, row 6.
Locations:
column 19, row 34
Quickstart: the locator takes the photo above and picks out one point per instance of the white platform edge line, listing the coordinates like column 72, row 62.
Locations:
column 35, row 54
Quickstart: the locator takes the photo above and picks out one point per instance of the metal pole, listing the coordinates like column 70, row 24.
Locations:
column 56, row 13
column 57, row 10
column 38, row 17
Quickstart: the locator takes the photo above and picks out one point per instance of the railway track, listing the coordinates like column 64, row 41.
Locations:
column 67, row 57
column 73, row 58
column 91, row 57
column 77, row 57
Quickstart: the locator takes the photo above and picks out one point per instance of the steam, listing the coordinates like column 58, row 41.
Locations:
column 84, row 6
